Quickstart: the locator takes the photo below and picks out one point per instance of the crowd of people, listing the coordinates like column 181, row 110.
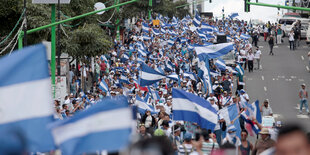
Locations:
column 170, row 48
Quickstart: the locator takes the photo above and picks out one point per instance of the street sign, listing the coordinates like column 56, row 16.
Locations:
column 50, row 1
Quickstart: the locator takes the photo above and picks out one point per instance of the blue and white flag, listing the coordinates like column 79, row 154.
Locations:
column 214, row 51
column 103, row 86
column 145, row 27
column 253, row 111
column 197, row 20
column 125, row 57
column 173, row 76
column 233, row 15
column 149, row 75
column 146, row 37
column 124, row 79
column 204, row 72
column 155, row 31
column 162, row 30
column 190, row 75
column 143, row 106
column 171, row 41
column 206, row 27
column 25, row 99
column 245, row 36
column 239, row 69
column 230, row 115
column 169, row 66
column 220, row 63
column 104, row 126
column 192, row 108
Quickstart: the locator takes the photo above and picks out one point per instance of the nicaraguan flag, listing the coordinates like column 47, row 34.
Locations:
column 245, row 36
column 171, row 41
column 149, row 75
column 104, row 126
column 252, row 111
column 233, row 15
column 230, row 115
column 192, row 108
column 204, row 72
column 142, row 106
column 206, row 27
column 190, row 75
column 124, row 79
column 214, row 51
column 125, row 57
column 239, row 69
column 26, row 105
column 220, row 63
column 197, row 20
column 103, row 86
column 145, row 27
column 155, row 31
column 173, row 76
column 162, row 30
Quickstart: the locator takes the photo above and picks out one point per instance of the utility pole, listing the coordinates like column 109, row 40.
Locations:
column 25, row 25
column 58, row 41
column 53, row 49
column 150, row 8
column 117, row 22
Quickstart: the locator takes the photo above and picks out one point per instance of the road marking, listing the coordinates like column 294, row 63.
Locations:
column 261, row 67
column 304, row 46
column 307, row 68
column 265, row 88
column 288, row 46
column 281, row 77
column 293, row 77
column 263, row 78
column 302, row 116
column 301, row 80
column 277, row 115
column 288, row 79
column 250, row 78
column 276, row 46
column 302, row 58
column 261, row 46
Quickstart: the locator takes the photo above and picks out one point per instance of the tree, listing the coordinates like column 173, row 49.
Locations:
column 40, row 14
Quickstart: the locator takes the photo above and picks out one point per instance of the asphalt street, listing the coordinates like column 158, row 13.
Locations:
column 279, row 80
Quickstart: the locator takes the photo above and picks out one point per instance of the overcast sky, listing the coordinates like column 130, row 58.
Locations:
column 256, row 12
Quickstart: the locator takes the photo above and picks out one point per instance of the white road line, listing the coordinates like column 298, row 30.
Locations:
column 261, row 67
column 301, row 80
column 302, row 116
column 261, row 46
column 265, row 88
column 288, row 46
column 250, row 78
column 307, row 68
column 276, row 46
column 304, row 46
column 263, row 78
column 302, row 58
column 273, row 79
column 293, row 77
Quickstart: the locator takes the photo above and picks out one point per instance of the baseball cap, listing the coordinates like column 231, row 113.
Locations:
column 187, row 136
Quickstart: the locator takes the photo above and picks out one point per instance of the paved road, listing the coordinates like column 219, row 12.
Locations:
column 279, row 80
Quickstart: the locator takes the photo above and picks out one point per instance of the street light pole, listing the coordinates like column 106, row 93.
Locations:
column 58, row 40
column 53, row 49
column 25, row 25
column 150, row 8
column 117, row 22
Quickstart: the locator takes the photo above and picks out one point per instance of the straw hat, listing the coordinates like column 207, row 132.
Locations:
column 264, row 131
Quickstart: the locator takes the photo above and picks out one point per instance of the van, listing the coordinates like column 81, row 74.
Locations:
column 287, row 24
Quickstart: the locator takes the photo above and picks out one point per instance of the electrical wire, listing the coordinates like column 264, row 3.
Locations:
column 8, row 36
column 17, row 34
column 107, row 20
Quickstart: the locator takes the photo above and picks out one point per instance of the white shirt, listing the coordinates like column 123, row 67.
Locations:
column 266, row 111
column 291, row 36
column 215, row 99
column 258, row 54
column 250, row 57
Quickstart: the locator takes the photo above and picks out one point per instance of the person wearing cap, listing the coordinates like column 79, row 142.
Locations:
column 212, row 97
column 263, row 143
column 231, row 136
column 303, row 96
column 186, row 147
column 265, row 109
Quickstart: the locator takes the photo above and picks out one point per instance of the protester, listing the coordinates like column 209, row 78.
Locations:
column 245, row 146
column 303, row 96
column 186, row 147
column 279, row 34
column 265, row 109
column 257, row 57
column 263, row 143
column 291, row 39
column 271, row 44
column 250, row 58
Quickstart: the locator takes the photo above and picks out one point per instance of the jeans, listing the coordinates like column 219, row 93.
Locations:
column 292, row 46
column 250, row 65
column 304, row 102
column 218, row 134
column 271, row 47
column 258, row 63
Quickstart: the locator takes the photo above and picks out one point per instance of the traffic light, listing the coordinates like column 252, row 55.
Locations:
column 246, row 6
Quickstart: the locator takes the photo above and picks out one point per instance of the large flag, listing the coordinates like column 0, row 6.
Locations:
column 245, row 36
column 204, row 72
column 197, row 20
column 230, row 115
column 104, row 126
column 103, row 86
column 143, row 106
column 252, row 112
column 206, row 27
column 214, row 51
column 145, row 27
column 239, row 69
column 192, row 108
column 25, row 99
column 149, row 75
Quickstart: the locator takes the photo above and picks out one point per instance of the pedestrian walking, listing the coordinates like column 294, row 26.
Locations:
column 296, row 36
column 250, row 58
column 279, row 34
column 303, row 96
column 265, row 33
column 257, row 56
column 291, row 39
column 271, row 44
